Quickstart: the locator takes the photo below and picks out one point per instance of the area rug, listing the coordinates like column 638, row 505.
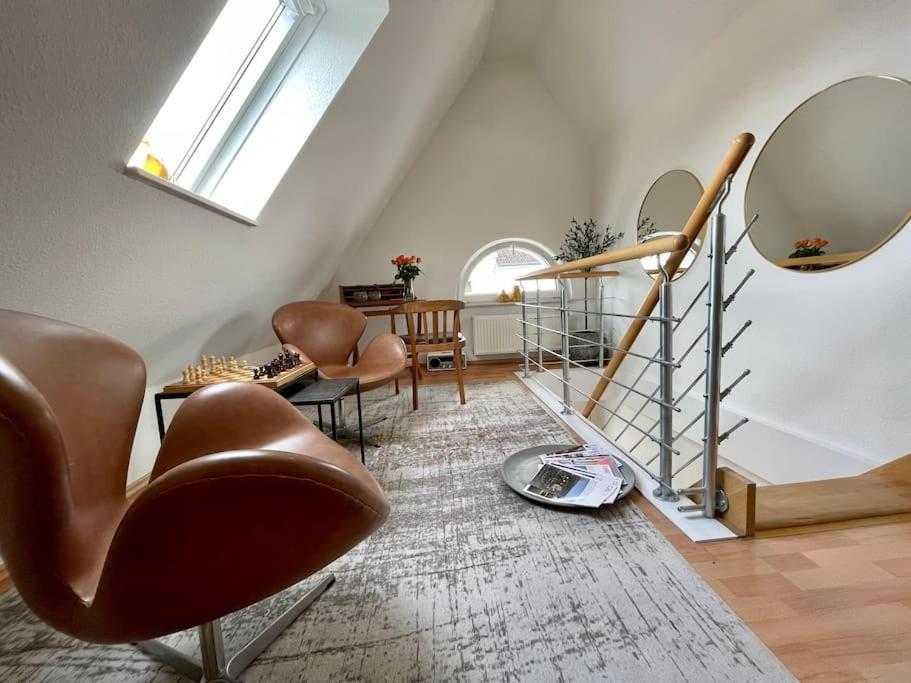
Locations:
column 466, row 581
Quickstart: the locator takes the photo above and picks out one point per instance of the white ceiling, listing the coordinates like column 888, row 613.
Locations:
column 515, row 28
column 604, row 60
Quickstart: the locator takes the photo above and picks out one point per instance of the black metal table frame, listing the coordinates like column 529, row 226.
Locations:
column 331, row 403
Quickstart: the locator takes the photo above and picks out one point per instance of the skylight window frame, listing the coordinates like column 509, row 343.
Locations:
column 261, row 95
column 310, row 14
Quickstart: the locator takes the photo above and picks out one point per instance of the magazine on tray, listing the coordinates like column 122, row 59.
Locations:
column 586, row 476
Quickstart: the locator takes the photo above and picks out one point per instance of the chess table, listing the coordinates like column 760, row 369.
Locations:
column 285, row 384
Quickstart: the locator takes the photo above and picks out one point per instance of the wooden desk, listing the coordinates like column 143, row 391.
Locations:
column 379, row 307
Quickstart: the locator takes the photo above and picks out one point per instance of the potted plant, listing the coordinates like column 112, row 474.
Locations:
column 406, row 269
column 807, row 248
column 581, row 241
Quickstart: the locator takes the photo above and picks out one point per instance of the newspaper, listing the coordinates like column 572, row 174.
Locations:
column 586, row 476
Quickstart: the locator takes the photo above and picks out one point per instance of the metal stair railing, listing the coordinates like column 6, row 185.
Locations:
column 671, row 462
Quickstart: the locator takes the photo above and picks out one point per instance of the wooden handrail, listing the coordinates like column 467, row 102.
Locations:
column 579, row 275
column 662, row 245
column 731, row 161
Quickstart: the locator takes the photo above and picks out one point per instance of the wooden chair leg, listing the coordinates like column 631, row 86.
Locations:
column 396, row 386
column 414, row 385
column 458, row 369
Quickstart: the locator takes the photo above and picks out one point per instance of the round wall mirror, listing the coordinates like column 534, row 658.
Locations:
column 665, row 210
column 831, row 184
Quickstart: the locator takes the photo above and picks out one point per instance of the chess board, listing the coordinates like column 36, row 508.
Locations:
column 217, row 376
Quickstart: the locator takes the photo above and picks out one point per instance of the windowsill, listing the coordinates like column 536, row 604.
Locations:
column 488, row 304
column 187, row 195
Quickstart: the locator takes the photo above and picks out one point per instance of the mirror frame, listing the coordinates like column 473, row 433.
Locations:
column 892, row 233
column 702, row 230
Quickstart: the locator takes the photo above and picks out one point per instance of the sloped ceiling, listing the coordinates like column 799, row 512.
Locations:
column 79, row 241
column 604, row 60
column 516, row 27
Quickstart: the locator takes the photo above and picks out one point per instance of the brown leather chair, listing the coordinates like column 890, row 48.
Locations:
column 246, row 498
column 328, row 334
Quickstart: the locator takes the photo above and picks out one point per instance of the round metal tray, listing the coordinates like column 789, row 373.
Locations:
column 522, row 466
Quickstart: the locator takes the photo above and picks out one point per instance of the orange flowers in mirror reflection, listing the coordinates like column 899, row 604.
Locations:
column 815, row 243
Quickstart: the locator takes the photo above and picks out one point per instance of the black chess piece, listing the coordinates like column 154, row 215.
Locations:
column 255, row 373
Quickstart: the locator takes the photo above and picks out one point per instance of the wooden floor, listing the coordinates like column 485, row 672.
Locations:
column 478, row 372
column 833, row 606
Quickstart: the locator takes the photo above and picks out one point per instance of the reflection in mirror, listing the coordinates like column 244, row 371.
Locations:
column 831, row 184
column 665, row 210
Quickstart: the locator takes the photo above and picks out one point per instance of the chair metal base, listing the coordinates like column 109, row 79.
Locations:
column 213, row 667
column 345, row 432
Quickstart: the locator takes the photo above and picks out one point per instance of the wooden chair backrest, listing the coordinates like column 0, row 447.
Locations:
column 437, row 323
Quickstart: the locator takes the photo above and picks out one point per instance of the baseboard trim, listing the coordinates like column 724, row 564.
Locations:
column 133, row 490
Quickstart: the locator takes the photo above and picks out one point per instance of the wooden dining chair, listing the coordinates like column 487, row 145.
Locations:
column 433, row 326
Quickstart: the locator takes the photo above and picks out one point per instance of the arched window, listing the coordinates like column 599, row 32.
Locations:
column 496, row 266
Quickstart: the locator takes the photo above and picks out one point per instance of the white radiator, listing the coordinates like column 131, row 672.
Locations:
column 496, row 334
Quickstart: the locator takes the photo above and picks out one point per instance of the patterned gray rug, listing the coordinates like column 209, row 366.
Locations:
column 466, row 581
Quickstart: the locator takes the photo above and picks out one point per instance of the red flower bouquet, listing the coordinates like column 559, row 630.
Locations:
column 406, row 269
column 812, row 247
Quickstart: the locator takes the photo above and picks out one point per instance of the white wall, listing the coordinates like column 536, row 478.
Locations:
column 828, row 351
column 80, row 241
column 504, row 162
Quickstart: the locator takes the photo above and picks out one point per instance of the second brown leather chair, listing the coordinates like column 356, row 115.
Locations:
column 246, row 498
column 328, row 334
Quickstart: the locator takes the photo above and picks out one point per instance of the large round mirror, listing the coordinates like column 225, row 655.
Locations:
column 665, row 210
column 831, row 184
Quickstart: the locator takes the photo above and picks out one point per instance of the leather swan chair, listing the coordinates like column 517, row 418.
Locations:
column 328, row 333
column 246, row 498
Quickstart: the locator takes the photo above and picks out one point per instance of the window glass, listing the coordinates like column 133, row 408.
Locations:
column 500, row 269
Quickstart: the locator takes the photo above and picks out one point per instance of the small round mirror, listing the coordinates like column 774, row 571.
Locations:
column 831, row 184
column 665, row 210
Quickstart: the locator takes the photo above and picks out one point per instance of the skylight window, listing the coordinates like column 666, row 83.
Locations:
column 221, row 96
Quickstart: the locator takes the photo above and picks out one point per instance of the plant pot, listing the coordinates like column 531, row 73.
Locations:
column 586, row 353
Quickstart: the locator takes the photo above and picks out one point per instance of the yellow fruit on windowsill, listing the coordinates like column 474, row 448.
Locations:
column 503, row 297
column 153, row 165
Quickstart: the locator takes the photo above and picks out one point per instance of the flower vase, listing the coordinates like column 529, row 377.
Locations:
column 409, row 288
